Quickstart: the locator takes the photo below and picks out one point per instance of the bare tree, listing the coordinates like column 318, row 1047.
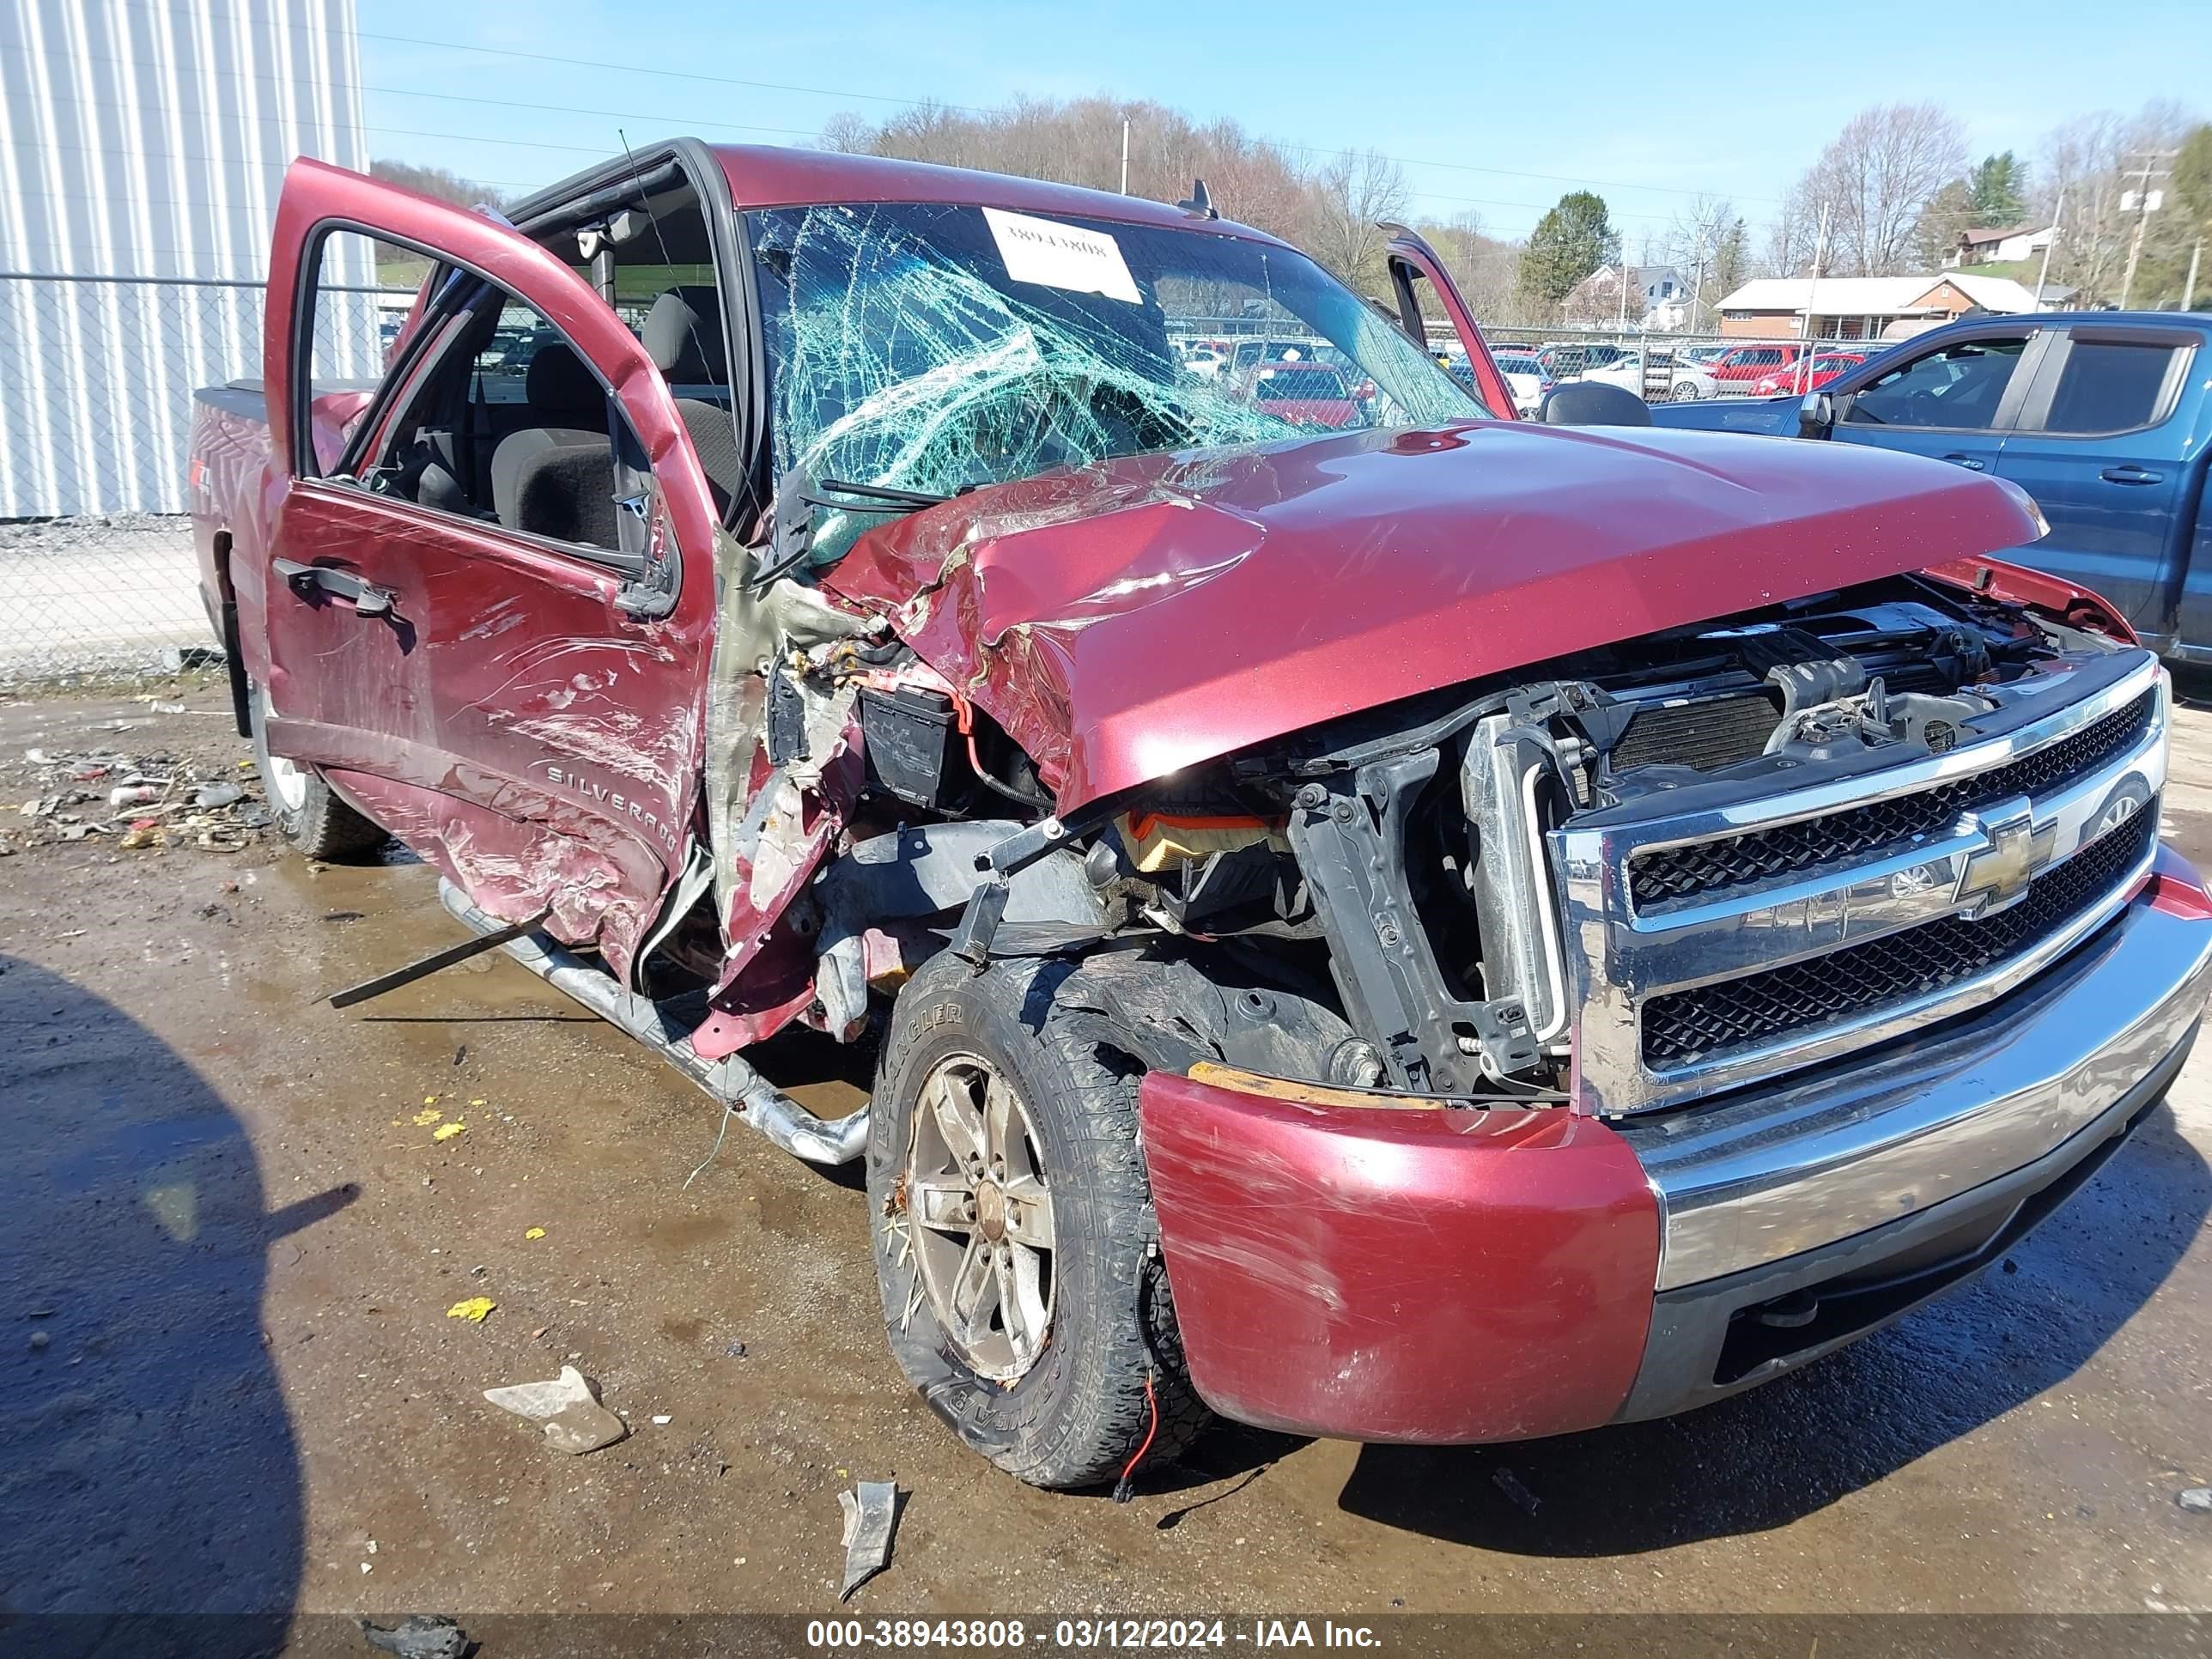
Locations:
column 1873, row 181
column 2089, row 162
column 1352, row 193
column 1705, row 242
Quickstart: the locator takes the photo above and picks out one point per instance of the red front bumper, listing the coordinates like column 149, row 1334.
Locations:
column 1343, row 1268
column 1413, row 1275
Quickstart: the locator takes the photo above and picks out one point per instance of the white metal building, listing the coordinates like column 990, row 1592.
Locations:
column 142, row 146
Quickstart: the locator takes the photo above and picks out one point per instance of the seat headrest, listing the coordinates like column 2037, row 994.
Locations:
column 1593, row 402
column 557, row 380
column 683, row 334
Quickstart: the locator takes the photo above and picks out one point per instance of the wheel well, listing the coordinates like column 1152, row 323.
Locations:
column 227, row 592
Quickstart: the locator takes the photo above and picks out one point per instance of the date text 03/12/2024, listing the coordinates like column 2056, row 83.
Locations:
column 1163, row 1634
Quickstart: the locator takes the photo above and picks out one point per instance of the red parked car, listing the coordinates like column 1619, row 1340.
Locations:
column 1444, row 929
column 1311, row 395
column 1740, row 368
column 1810, row 377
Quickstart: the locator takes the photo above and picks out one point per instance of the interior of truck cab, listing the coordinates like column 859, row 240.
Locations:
column 502, row 421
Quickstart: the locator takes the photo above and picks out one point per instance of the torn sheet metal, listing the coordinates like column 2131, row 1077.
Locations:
column 870, row 1509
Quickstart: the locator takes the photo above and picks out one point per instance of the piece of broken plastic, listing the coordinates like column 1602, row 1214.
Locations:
column 574, row 1421
column 476, row 1310
column 871, row 1508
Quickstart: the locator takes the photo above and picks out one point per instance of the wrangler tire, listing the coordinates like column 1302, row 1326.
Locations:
column 1076, row 1412
column 307, row 811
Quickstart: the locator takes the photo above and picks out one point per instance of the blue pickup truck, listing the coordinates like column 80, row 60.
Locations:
column 2105, row 417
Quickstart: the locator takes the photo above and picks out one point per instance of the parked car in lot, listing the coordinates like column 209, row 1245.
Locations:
column 1203, row 362
column 1526, row 374
column 1822, row 371
column 1308, row 395
column 2103, row 418
column 1736, row 371
column 1566, row 359
column 1432, row 928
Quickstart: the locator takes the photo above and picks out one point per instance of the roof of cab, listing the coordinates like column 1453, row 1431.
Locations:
column 769, row 175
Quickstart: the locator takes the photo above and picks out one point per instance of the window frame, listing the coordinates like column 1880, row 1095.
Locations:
column 441, row 332
column 2180, row 344
column 2003, row 419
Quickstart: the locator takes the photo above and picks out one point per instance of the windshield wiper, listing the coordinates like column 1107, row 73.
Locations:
column 884, row 499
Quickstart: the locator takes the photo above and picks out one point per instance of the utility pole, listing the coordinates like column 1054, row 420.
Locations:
column 1124, row 155
column 2143, row 193
column 2189, row 290
column 1819, row 253
column 2057, row 218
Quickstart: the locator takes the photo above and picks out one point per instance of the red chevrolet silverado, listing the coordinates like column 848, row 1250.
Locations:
column 1408, row 924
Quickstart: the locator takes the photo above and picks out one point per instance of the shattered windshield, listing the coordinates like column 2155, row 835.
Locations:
column 928, row 347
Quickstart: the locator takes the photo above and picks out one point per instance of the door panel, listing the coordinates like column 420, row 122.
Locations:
column 2102, row 446
column 504, row 709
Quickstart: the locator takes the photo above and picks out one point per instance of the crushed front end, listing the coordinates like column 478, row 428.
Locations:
column 1694, row 1007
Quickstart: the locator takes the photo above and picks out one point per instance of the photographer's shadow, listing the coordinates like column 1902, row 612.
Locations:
column 147, row 1461
column 1772, row 1455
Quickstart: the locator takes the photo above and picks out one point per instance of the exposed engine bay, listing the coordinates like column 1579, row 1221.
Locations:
column 1369, row 905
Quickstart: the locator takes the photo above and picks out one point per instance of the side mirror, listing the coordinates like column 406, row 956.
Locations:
column 1816, row 415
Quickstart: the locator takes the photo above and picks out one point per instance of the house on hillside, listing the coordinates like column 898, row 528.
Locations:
column 1991, row 247
column 1864, row 308
column 1657, row 297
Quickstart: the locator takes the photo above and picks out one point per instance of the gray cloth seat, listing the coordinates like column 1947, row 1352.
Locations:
column 683, row 334
column 1593, row 402
column 558, row 479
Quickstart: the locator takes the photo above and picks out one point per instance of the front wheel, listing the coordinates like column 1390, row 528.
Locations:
column 1015, row 1243
column 1684, row 392
column 307, row 811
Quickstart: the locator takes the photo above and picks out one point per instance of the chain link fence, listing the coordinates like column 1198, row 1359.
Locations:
column 97, row 570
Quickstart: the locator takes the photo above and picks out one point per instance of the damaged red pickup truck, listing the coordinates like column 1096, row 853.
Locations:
column 1429, row 928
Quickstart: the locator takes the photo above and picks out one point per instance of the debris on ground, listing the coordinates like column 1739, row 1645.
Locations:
column 420, row 1636
column 734, row 1351
column 146, row 800
column 2196, row 1499
column 476, row 1310
column 568, row 1407
column 447, row 1131
column 871, row 1508
column 533, row 1232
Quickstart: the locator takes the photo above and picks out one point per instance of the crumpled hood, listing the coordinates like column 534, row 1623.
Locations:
column 1127, row 618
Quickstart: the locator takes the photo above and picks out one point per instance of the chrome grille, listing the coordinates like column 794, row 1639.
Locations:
column 1684, row 1027
column 1712, row 866
column 1924, row 888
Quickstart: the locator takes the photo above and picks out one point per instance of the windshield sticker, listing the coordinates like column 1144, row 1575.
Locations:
column 1054, row 255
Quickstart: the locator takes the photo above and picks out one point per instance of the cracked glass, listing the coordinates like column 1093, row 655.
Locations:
column 904, row 354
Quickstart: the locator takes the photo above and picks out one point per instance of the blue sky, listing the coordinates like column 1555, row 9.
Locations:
column 1645, row 103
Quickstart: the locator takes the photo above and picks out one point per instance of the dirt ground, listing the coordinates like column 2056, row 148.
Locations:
column 228, row 1379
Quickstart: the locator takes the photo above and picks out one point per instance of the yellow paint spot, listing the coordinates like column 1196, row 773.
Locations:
column 426, row 1117
column 476, row 1102
column 535, row 1232
column 446, row 1131
column 476, row 1310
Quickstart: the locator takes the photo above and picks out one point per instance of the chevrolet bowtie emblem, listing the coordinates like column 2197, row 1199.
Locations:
column 1999, row 874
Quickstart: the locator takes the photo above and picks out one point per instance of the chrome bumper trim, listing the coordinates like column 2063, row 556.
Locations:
column 1767, row 1175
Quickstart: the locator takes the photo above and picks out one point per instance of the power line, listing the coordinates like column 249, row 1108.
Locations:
column 970, row 109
